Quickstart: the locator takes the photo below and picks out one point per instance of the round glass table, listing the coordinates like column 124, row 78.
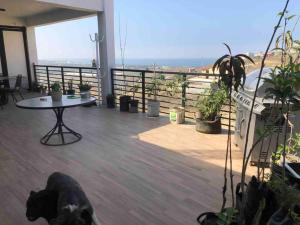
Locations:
column 60, row 134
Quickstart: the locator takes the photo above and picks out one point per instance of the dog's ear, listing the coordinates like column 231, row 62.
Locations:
column 87, row 217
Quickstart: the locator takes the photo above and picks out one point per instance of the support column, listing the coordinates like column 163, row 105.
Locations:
column 107, row 46
column 32, row 50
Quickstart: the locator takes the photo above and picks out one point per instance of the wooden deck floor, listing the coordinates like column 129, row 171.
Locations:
column 135, row 170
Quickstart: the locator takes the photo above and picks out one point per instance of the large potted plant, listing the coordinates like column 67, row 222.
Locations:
column 110, row 101
column 134, row 103
column 173, row 88
column 209, row 104
column 85, row 90
column 56, row 93
column 152, row 89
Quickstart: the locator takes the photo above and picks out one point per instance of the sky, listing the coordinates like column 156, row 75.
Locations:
column 171, row 29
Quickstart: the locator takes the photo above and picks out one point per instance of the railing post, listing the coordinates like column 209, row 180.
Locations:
column 34, row 73
column 183, row 91
column 63, row 79
column 112, row 82
column 143, row 92
column 48, row 78
column 80, row 76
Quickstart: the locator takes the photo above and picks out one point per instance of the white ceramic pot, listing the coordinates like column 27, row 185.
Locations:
column 85, row 94
column 153, row 108
column 177, row 115
column 56, row 96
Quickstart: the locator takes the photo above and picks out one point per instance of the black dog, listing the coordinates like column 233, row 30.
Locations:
column 63, row 202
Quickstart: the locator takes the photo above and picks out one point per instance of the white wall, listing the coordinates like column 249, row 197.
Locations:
column 94, row 5
column 32, row 50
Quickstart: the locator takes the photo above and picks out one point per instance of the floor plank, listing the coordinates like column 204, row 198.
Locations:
column 134, row 169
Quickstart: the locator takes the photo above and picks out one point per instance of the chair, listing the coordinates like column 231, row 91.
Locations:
column 15, row 89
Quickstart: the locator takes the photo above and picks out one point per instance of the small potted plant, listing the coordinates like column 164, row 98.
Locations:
column 70, row 90
column 110, row 101
column 209, row 104
column 134, row 103
column 43, row 90
column 56, row 93
column 152, row 89
column 85, row 90
column 173, row 87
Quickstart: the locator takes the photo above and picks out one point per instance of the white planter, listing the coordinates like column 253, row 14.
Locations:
column 177, row 115
column 56, row 96
column 153, row 108
column 85, row 94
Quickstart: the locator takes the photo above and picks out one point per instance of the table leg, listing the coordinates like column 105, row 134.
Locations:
column 59, row 131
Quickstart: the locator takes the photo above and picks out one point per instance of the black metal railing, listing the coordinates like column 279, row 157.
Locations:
column 123, row 80
column 46, row 75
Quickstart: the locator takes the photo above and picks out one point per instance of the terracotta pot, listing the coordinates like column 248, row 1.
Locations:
column 153, row 108
column 56, row 96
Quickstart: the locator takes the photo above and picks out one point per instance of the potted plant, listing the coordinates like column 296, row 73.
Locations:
column 43, row 90
column 56, row 93
column 134, row 103
column 85, row 90
column 173, row 87
column 110, row 101
column 209, row 106
column 70, row 90
column 152, row 89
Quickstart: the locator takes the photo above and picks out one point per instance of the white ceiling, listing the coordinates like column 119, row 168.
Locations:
column 24, row 8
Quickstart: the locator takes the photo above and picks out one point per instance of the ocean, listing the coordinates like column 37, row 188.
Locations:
column 140, row 63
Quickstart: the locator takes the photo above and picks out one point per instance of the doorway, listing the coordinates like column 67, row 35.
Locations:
column 14, row 56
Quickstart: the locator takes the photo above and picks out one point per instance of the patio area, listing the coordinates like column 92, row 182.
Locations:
column 135, row 170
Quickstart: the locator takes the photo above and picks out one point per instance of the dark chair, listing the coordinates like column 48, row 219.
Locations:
column 15, row 89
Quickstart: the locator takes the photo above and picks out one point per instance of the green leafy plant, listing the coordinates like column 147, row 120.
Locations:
column 55, row 87
column 70, row 84
column 84, row 87
column 227, row 216
column 136, row 86
column 292, row 149
column 287, row 196
column 155, row 85
column 210, row 103
column 175, row 85
column 232, row 69
column 284, row 83
column 134, row 90
column 232, row 74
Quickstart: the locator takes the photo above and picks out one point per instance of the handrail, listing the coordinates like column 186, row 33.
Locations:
column 70, row 67
column 124, row 78
column 47, row 74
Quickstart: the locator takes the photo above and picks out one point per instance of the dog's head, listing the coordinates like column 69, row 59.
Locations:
column 73, row 216
column 41, row 204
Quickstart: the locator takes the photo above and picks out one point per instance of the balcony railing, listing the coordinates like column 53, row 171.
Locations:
column 46, row 75
column 124, row 80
